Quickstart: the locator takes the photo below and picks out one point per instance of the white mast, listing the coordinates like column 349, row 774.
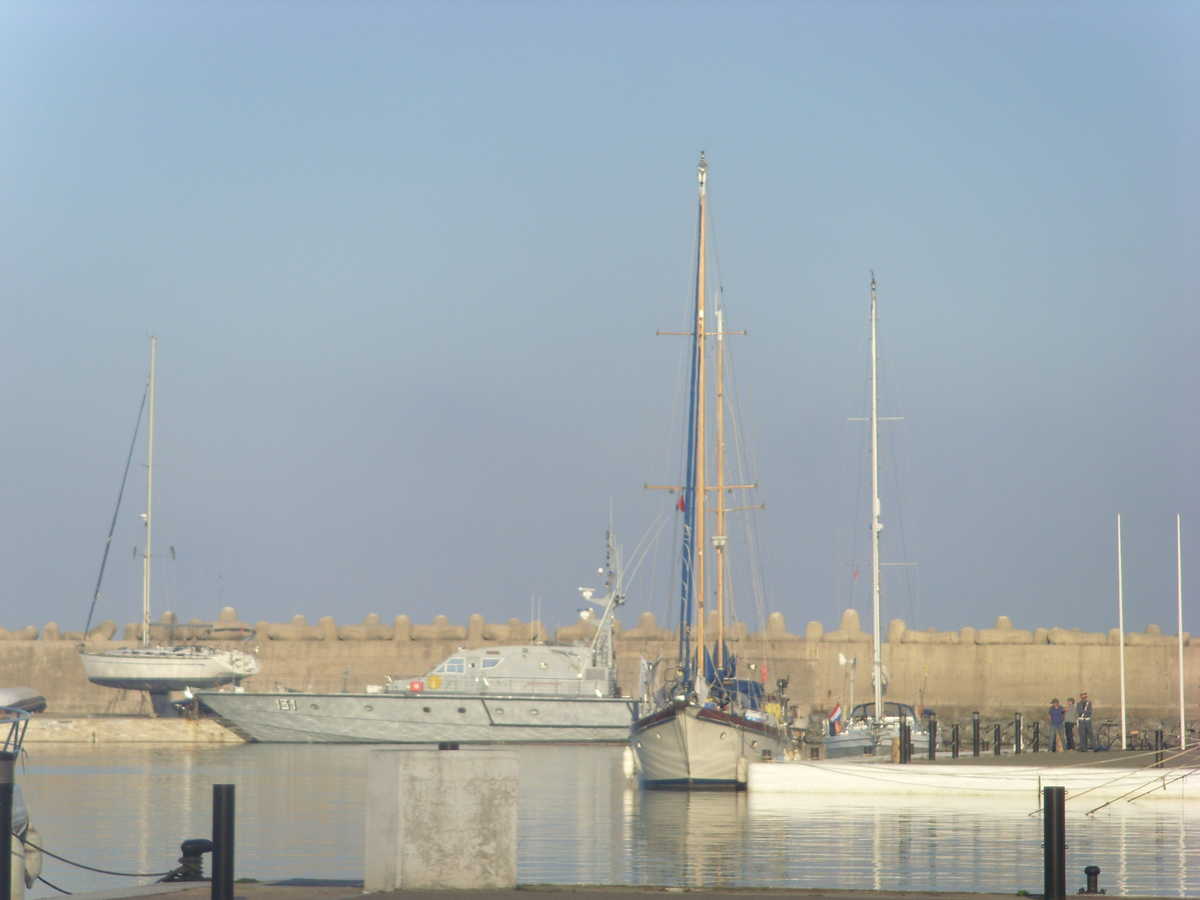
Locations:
column 149, row 501
column 1121, row 625
column 1179, row 621
column 876, row 525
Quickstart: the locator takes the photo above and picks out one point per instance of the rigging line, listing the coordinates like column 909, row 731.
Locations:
column 79, row 865
column 861, row 463
column 1162, row 787
column 890, row 444
column 648, row 540
column 48, row 883
column 1159, row 782
column 745, row 474
column 116, row 512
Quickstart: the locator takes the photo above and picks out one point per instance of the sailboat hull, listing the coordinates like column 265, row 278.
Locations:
column 689, row 746
column 161, row 669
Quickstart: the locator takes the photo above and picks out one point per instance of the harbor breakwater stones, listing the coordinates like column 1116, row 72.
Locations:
column 441, row 819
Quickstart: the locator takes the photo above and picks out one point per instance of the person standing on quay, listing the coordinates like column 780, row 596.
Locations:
column 1058, row 738
column 1069, row 722
column 1083, row 714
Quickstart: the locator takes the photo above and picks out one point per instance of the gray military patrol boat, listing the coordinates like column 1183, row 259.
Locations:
column 537, row 693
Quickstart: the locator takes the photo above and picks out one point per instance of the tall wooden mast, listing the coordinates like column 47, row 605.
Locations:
column 699, row 489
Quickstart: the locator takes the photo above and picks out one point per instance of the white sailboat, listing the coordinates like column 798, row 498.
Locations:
column 706, row 725
column 871, row 725
column 160, row 669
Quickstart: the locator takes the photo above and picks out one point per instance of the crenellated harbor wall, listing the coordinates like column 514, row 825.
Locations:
column 996, row 670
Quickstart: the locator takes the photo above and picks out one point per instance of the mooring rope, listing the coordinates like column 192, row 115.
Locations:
column 80, row 865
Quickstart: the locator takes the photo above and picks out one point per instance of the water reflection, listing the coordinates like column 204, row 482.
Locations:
column 300, row 813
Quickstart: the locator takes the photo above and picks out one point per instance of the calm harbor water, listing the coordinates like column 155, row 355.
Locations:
column 300, row 812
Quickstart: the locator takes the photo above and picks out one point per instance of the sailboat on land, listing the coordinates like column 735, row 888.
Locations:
column 161, row 669
column 706, row 725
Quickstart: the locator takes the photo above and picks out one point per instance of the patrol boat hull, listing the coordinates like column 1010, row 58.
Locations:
column 421, row 718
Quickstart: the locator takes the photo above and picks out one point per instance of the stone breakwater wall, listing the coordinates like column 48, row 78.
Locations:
column 997, row 670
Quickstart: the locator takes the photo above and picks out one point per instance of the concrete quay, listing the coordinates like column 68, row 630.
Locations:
column 126, row 730
column 304, row 889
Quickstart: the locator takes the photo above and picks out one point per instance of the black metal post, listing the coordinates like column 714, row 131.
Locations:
column 954, row 741
column 1092, row 873
column 1054, row 843
column 1018, row 727
column 933, row 737
column 996, row 740
column 7, row 780
column 223, row 807
column 1158, row 749
column 974, row 734
column 1037, row 736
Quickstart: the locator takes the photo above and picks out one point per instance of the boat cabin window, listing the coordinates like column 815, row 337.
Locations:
column 454, row 664
column 491, row 662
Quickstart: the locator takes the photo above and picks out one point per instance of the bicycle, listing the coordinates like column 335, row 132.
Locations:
column 1105, row 735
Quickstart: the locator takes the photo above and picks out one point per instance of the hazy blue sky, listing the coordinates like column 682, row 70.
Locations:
column 407, row 261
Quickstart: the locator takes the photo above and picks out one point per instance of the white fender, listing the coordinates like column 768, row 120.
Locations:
column 33, row 856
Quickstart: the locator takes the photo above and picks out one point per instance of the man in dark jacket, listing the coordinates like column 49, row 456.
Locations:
column 1083, row 716
column 1069, row 722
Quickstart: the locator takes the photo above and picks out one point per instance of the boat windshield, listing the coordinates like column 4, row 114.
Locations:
column 891, row 709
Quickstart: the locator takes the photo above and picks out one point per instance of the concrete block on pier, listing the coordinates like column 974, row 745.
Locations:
column 441, row 819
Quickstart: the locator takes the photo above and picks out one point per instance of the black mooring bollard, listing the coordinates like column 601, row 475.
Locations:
column 954, row 741
column 1092, row 874
column 1018, row 727
column 1037, row 737
column 222, row 839
column 933, row 737
column 191, row 861
column 996, row 740
column 974, row 734
column 1054, row 843
column 7, row 780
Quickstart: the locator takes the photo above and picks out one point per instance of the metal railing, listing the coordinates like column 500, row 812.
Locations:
column 17, row 721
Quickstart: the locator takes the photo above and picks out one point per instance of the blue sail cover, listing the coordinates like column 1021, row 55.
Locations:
column 687, row 500
column 725, row 686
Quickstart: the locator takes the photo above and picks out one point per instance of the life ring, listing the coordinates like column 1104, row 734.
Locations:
column 416, row 685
